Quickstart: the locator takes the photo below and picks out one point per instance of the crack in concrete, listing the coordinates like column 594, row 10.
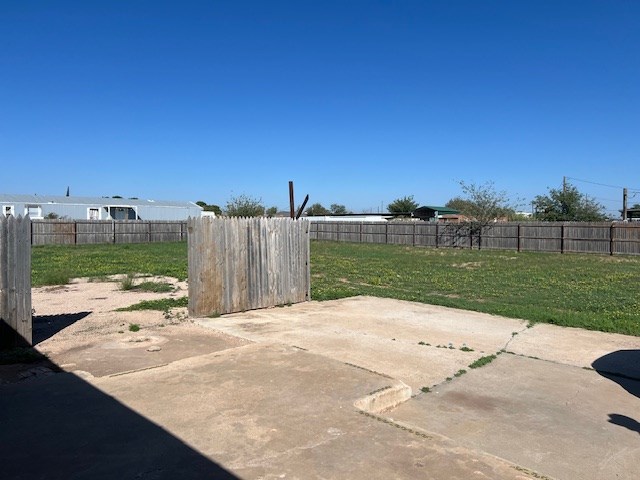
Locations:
column 260, row 462
column 514, row 335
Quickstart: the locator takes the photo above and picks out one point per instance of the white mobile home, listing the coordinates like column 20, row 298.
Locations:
column 96, row 208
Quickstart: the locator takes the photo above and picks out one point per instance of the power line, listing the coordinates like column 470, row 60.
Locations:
column 637, row 190
column 617, row 200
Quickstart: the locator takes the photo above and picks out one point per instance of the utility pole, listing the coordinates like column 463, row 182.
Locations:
column 624, row 204
column 564, row 197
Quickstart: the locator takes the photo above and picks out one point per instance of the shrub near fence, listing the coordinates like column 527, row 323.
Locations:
column 238, row 264
column 81, row 232
column 15, row 282
column 608, row 238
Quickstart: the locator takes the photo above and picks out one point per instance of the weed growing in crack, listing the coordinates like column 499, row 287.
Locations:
column 482, row 361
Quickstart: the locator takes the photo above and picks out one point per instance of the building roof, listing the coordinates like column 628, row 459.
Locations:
column 61, row 199
column 432, row 208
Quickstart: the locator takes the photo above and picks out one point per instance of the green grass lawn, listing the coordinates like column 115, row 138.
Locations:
column 52, row 263
column 588, row 291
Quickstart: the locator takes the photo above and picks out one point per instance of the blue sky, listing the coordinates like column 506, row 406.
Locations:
column 358, row 102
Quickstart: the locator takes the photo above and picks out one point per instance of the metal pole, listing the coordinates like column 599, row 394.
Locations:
column 292, row 205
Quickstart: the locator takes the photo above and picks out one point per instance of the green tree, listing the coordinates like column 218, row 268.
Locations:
column 568, row 204
column 465, row 207
column 272, row 211
column 403, row 205
column 317, row 209
column 483, row 205
column 244, row 206
column 337, row 209
column 209, row 208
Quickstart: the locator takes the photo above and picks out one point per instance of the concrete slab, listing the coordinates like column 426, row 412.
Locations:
column 382, row 335
column 113, row 354
column 581, row 348
column 561, row 421
column 259, row 411
column 288, row 406
column 61, row 427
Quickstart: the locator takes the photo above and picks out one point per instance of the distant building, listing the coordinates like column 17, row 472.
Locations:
column 633, row 214
column 96, row 208
column 433, row 214
column 351, row 217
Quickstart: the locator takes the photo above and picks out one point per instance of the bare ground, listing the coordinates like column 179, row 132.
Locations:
column 78, row 328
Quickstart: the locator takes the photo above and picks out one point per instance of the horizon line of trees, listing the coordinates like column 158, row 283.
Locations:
column 481, row 204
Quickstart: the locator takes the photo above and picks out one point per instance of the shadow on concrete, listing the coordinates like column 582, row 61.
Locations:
column 624, row 421
column 46, row 326
column 61, row 427
column 622, row 367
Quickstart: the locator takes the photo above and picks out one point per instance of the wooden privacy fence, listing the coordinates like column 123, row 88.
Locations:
column 238, row 264
column 72, row 232
column 609, row 238
column 15, row 282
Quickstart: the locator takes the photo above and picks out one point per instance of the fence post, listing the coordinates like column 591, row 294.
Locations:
column 611, row 239
column 437, row 234
column 414, row 234
column 386, row 233
column 113, row 230
column 519, row 236
column 562, row 238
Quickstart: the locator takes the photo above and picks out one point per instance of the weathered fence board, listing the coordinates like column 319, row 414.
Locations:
column 81, row 232
column 238, row 264
column 15, row 281
column 575, row 237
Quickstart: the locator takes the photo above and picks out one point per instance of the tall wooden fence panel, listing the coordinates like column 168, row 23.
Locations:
column 81, row 232
column 626, row 240
column 563, row 237
column 238, row 264
column 15, row 282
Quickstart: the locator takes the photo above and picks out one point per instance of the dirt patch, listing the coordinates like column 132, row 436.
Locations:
column 78, row 328
column 467, row 265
